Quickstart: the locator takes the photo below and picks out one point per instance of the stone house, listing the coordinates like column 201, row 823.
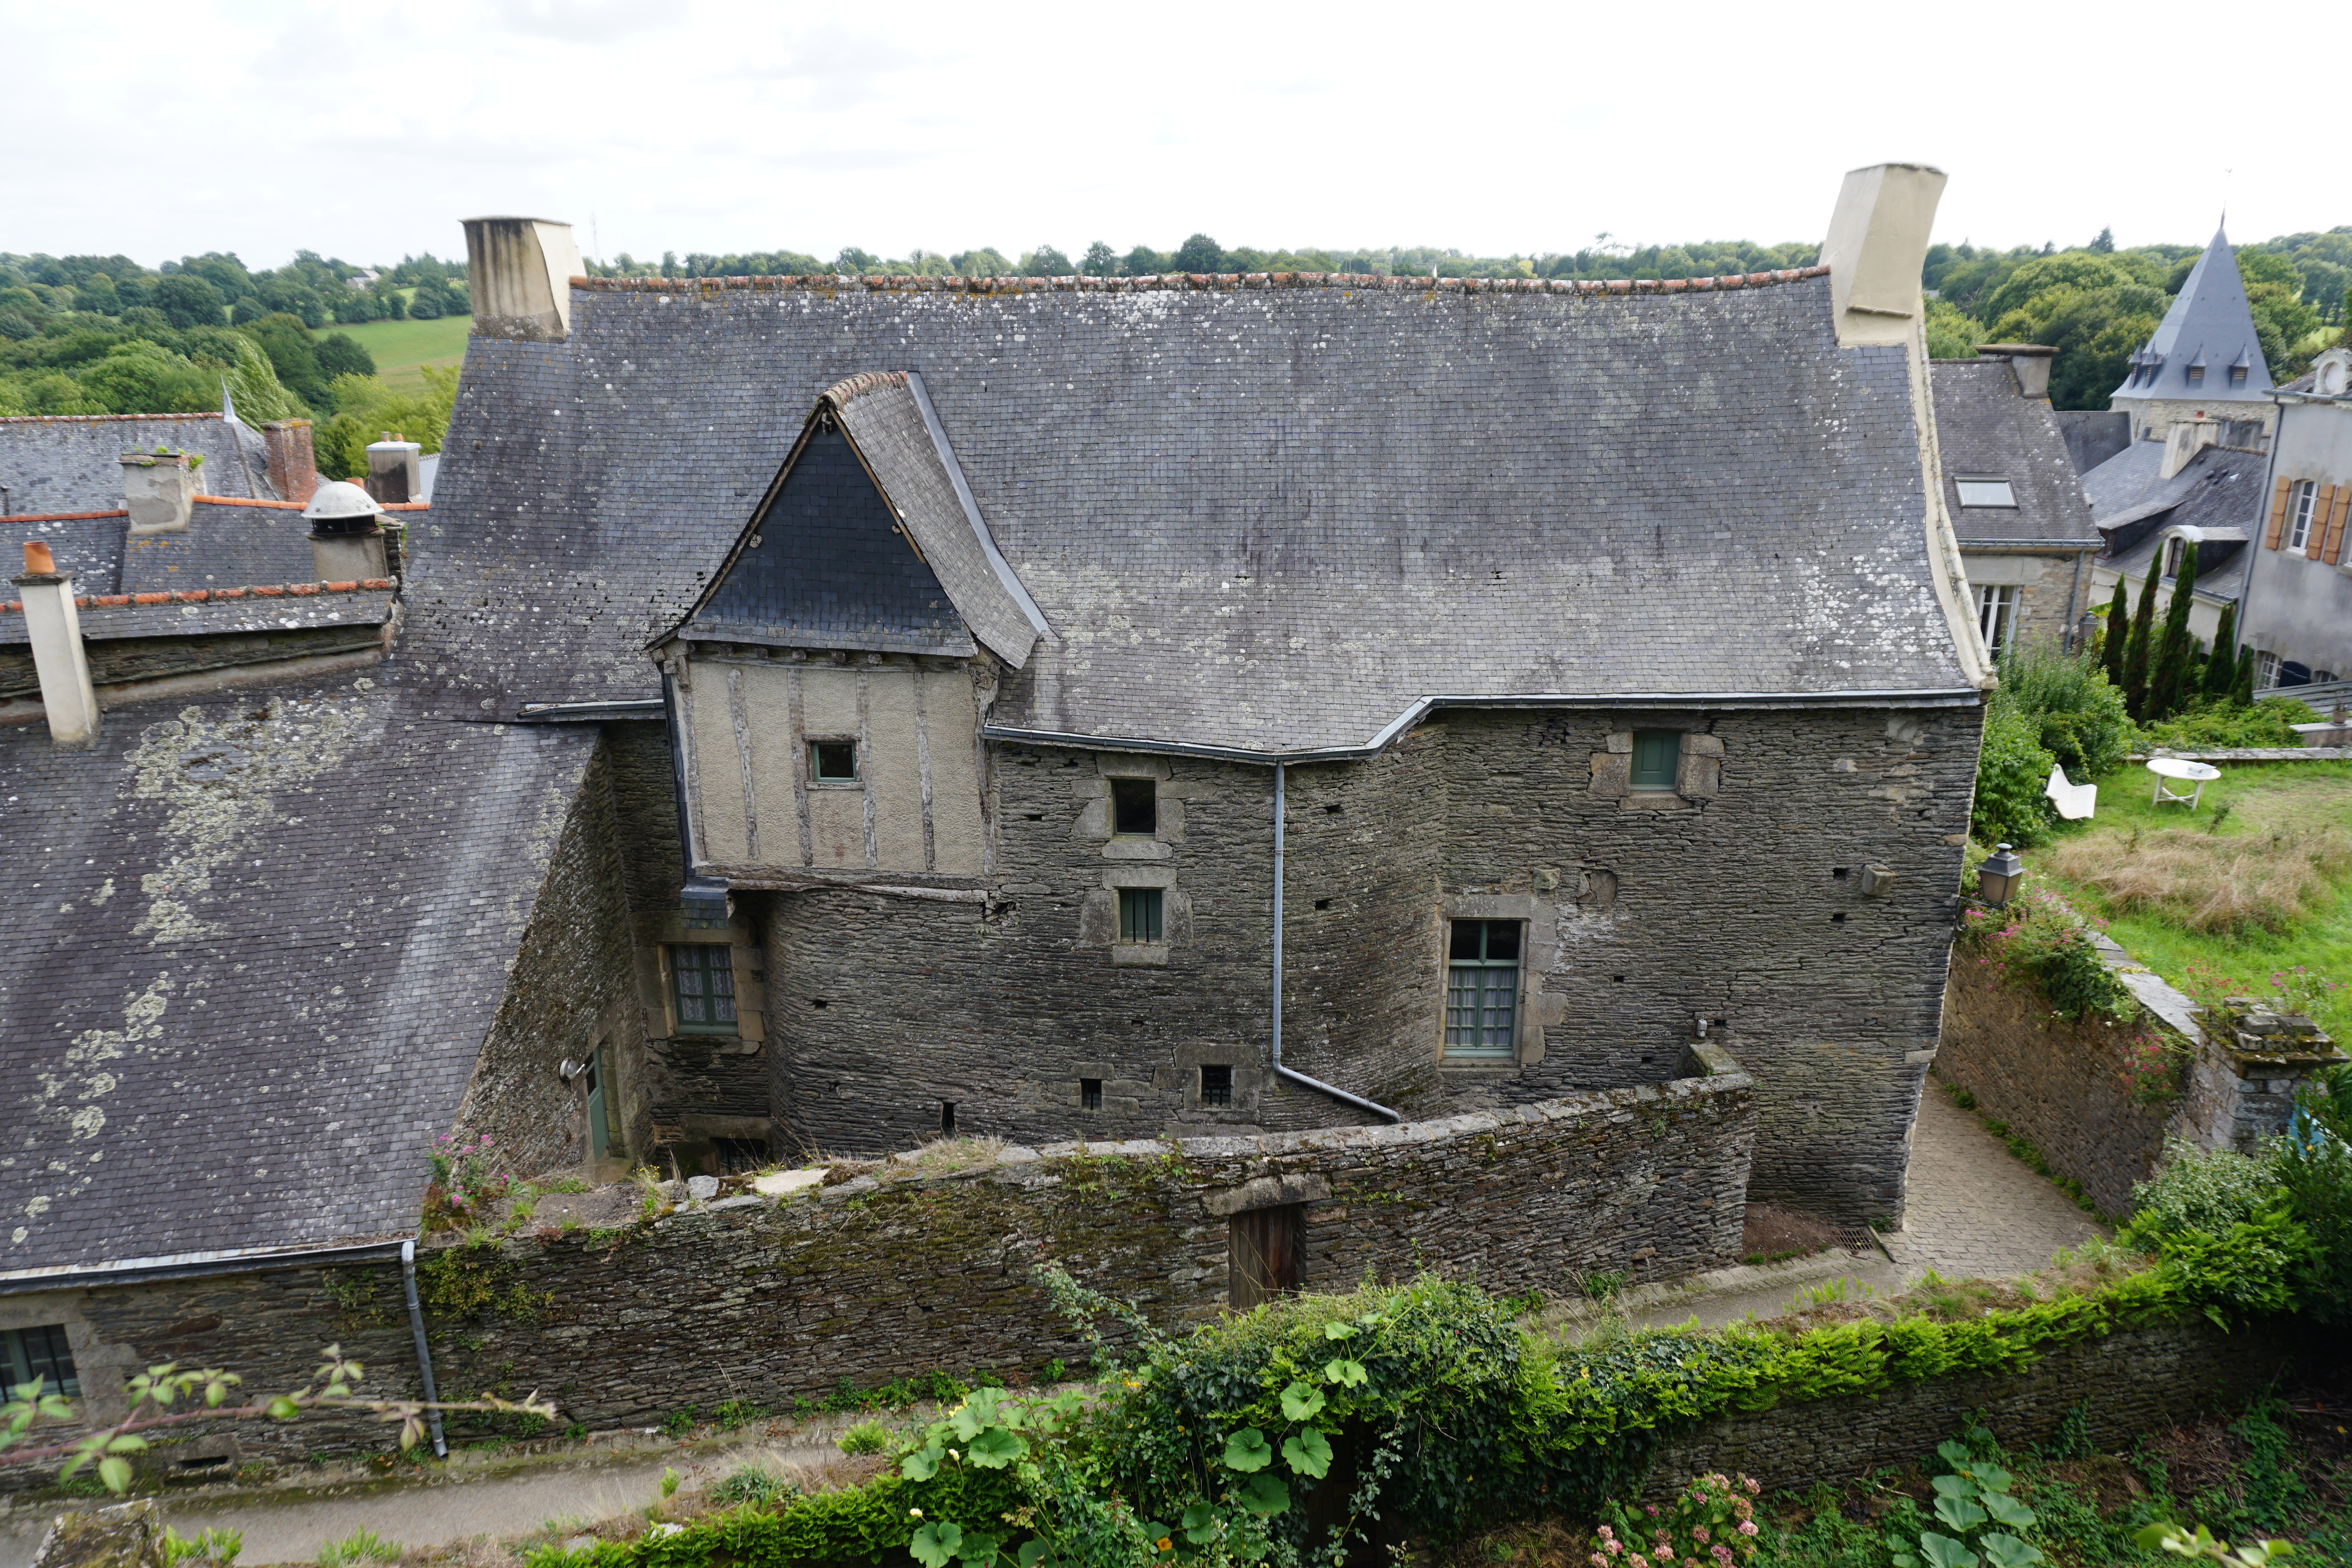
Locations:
column 2298, row 595
column 2015, row 495
column 824, row 714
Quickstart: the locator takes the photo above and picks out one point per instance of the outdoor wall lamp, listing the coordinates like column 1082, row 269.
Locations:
column 1997, row 879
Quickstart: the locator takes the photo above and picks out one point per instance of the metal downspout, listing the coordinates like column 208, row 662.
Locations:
column 423, row 1355
column 1281, row 776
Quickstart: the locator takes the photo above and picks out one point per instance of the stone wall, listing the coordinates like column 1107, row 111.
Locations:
column 1737, row 901
column 925, row 1264
column 2134, row 1380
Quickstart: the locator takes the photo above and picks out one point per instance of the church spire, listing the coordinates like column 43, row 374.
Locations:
column 2206, row 351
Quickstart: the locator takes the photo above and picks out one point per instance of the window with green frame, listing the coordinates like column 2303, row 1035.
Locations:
column 1481, row 990
column 702, row 987
column 1140, row 912
column 40, row 1353
column 1657, row 753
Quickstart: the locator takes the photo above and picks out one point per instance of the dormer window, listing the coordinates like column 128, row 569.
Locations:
column 2196, row 374
column 2174, row 549
column 1981, row 490
column 2237, row 375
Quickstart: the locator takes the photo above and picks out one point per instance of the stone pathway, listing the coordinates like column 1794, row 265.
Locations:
column 1974, row 1209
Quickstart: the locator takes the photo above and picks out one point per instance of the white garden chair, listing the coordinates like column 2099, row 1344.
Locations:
column 2074, row 801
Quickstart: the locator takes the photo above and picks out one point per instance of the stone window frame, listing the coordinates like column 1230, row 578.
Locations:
column 1538, row 1010
column 1095, row 822
column 1699, row 776
column 1098, row 915
column 751, row 965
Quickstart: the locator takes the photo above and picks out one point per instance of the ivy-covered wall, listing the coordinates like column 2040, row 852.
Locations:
column 923, row 1263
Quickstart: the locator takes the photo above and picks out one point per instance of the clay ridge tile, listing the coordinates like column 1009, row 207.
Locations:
column 201, row 595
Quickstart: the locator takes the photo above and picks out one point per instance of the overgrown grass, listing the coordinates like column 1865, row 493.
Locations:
column 2299, row 803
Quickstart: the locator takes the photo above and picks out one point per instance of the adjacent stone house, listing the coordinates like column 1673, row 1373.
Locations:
column 2298, row 596
column 2016, row 499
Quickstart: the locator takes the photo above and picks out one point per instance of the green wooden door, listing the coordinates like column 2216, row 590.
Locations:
column 600, row 1128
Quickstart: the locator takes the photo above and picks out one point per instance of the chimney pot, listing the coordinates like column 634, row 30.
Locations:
column 519, row 274
column 2029, row 362
column 1877, row 241
column 393, row 473
column 60, row 662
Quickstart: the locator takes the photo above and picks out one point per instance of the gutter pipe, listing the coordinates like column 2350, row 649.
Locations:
column 1281, row 772
column 423, row 1354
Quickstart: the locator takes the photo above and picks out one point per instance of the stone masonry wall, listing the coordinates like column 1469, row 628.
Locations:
column 1738, row 903
column 2134, row 1380
column 2060, row 1086
column 927, row 1266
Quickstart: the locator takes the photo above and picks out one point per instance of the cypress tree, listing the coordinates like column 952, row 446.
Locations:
column 2222, row 666
column 2136, row 651
column 2243, row 694
column 2168, row 682
column 2118, row 633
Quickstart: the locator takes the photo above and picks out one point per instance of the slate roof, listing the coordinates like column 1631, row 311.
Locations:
column 1259, row 514
column 267, row 607
column 254, row 945
column 68, row 463
column 1986, row 427
column 2093, row 435
column 2209, row 327
column 2134, row 507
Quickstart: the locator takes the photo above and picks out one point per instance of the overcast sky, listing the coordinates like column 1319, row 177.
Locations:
column 368, row 132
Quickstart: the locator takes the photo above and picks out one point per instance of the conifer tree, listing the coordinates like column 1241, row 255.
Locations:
column 2221, row 664
column 2168, row 683
column 2244, row 695
column 2118, row 633
column 2136, row 670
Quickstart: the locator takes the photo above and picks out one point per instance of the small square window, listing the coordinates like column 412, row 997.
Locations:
column 1090, row 1093
column 1135, row 808
column 1656, row 753
column 1139, row 915
column 702, row 987
column 2196, row 374
column 833, row 761
column 1216, row 1084
column 1986, row 493
column 41, row 1353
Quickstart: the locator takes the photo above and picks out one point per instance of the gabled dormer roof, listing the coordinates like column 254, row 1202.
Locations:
column 868, row 538
column 2209, row 324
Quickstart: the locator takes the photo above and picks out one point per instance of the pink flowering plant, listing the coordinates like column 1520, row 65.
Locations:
column 1709, row 1523
column 2303, row 993
column 467, row 1184
column 2039, row 939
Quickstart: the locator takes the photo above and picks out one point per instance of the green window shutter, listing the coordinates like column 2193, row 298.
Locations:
column 702, row 985
column 1657, row 753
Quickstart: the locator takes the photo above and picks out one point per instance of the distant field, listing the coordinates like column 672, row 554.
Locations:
column 402, row 349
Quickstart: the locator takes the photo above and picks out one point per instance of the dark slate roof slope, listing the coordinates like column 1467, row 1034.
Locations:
column 255, row 944
column 2218, row 488
column 68, row 463
column 2209, row 327
column 1984, row 426
column 225, row 546
column 2093, row 435
column 1256, row 518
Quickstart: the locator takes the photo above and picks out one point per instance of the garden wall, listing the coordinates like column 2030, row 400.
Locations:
column 920, row 1265
column 2132, row 1381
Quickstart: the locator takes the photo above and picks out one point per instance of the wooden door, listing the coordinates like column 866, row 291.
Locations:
column 1267, row 1247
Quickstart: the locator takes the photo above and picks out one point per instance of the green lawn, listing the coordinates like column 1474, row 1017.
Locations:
column 2292, row 798
column 402, row 349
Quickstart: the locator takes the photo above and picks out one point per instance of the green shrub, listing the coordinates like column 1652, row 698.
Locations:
column 2013, row 771
column 2039, row 939
column 2222, row 726
column 751, row 1484
column 2199, row 1190
column 865, row 1438
column 360, row 1546
column 2315, row 1165
column 2078, row 717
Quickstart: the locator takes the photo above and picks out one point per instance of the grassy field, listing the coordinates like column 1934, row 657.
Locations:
column 2272, row 812
column 402, row 349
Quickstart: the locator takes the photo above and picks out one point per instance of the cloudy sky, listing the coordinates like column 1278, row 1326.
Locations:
column 367, row 132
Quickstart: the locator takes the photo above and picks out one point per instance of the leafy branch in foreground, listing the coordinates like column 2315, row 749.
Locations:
column 152, row 1394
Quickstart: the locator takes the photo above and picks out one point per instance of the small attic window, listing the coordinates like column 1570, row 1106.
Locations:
column 833, row 761
column 1979, row 491
column 2237, row 375
column 2196, row 374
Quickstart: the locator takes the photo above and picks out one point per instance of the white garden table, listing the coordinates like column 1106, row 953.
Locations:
column 2198, row 773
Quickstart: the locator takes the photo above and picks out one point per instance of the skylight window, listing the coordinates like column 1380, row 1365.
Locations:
column 1981, row 492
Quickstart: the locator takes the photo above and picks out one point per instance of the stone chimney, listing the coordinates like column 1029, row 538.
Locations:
column 392, row 469
column 2185, row 440
column 347, row 543
column 2030, row 361
column 160, row 490
column 518, row 272
column 293, row 467
column 58, row 659
column 1876, row 245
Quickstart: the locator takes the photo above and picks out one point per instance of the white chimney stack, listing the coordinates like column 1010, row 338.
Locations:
column 58, row 659
column 159, row 489
column 392, row 470
column 518, row 272
column 1877, row 243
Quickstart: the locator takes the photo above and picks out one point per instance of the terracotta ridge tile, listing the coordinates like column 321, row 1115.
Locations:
column 60, row 517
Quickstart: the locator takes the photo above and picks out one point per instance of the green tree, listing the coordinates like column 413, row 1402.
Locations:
column 140, row 377
column 985, row 262
column 1145, row 262
column 2104, row 244
column 2242, row 694
column 2170, row 683
column 1100, row 261
column 2221, row 664
column 339, row 354
column 292, row 356
column 187, row 301
column 255, row 389
column 1199, row 254
column 2136, row 668
column 2117, row 634
column 1046, row 261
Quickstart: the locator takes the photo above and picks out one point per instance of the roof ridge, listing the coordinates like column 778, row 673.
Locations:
column 1194, row 282
column 96, row 418
column 202, row 595
column 851, row 388
column 278, row 506
column 6, row 518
